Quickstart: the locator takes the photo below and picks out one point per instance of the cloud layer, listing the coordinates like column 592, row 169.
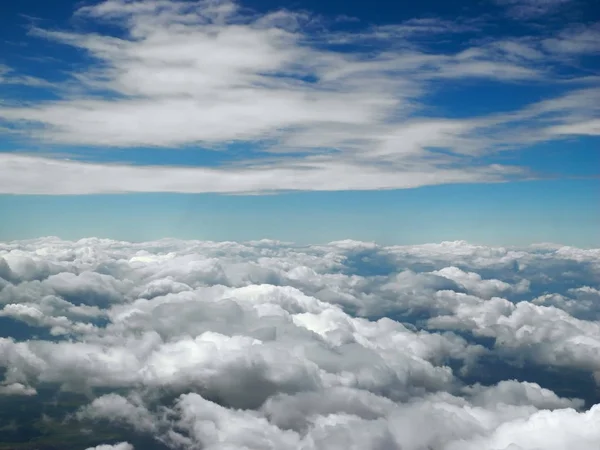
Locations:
column 314, row 106
column 347, row 345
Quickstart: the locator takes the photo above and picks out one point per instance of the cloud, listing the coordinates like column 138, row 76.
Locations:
column 9, row 77
column 538, row 431
column 591, row 128
column 578, row 39
column 271, row 345
column 119, row 446
column 546, row 335
column 582, row 302
column 474, row 283
column 511, row 392
column 453, row 423
column 17, row 389
column 315, row 108
column 56, row 177
column 532, row 9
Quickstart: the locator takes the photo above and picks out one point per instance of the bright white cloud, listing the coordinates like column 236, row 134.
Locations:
column 119, row 446
column 34, row 175
column 532, row 9
column 210, row 74
column 17, row 389
column 261, row 345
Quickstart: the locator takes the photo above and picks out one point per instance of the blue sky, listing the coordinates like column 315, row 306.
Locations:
column 302, row 121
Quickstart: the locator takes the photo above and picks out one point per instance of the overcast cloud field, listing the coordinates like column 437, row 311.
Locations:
column 268, row 345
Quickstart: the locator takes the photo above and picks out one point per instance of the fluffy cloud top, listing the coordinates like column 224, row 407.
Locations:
column 119, row 446
column 269, row 345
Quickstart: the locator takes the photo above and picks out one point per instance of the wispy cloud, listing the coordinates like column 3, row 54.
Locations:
column 9, row 77
column 530, row 9
column 209, row 74
column 34, row 175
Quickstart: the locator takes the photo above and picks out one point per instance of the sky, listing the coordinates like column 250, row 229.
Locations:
column 301, row 121
column 313, row 225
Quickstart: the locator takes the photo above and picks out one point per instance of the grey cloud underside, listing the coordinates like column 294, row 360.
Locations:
column 224, row 345
column 208, row 74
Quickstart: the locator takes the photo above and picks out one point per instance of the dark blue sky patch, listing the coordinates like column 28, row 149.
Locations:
column 21, row 331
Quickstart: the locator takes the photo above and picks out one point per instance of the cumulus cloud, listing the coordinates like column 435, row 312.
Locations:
column 119, row 446
column 582, row 302
column 17, row 389
column 546, row 334
column 271, row 345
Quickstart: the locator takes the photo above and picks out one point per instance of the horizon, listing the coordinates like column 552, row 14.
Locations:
column 480, row 117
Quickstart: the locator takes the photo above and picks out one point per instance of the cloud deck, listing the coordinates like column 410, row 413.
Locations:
column 347, row 345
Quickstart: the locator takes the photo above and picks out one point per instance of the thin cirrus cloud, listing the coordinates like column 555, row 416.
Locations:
column 532, row 9
column 34, row 175
column 324, row 103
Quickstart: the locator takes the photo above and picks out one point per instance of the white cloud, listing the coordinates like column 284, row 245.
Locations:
column 532, row 9
column 582, row 302
column 474, row 283
column 452, row 422
column 32, row 175
column 254, row 345
column 210, row 74
column 17, row 389
column 9, row 77
column 552, row 431
column 511, row 392
column 546, row 335
column 579, row 39
column 119, row 446
column 119, row 409
column 590, row 127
